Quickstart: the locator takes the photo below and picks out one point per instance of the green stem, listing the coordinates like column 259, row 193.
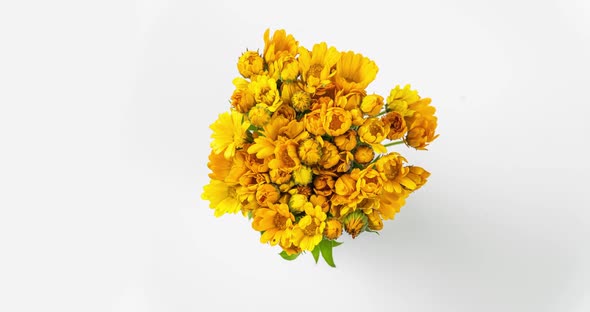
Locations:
column 393, row 143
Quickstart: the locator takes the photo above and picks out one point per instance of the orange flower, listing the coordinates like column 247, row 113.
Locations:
column 337, row 121
column 373, row 132
column 347, row 141
column 276, row 222
column 397, row 125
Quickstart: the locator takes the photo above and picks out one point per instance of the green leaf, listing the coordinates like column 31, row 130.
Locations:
column 326, row 248
column 316, row 253
column 335, row 243
column 285, row 256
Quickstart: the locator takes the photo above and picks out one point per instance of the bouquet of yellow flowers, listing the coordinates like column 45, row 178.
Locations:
column 302, row 151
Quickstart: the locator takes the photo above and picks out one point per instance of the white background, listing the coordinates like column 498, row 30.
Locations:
column 105, row 108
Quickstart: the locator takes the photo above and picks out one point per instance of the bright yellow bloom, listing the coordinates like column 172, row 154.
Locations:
column 276, row 222
column 219, row 166
column 301, row 101
column 309, row 231
column 355, row 223
column 242, row 99
column 372, row 104
column 264, row 145
column 280, row 177
column 287, row 112
column 229, row 133
column 302, row 175
column 337, row 121
column 347, row 141
column 330, row 156
column 250, row 63
column 418, row 177
column 397, row 125
column 369, row 183
column 316, row 66
column 221, row 197
column 399, row 99
column 333, row 229
column 323, row 185
column 285, row 68
column 265, row 91
column 364, row 154
column 286, row 158
column 313, row 122
column 373, row 132
column 354, row 72
column 421, row 125
column 392, row 171
column 280, row 45
column 310, row 152
column 259, row 115
column 390, row 203
column 346, row 184
column 296, row 202
column 267, row 194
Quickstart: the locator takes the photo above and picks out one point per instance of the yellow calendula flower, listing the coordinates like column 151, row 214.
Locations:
column 259, row 115
column 333, row 229
column 390, row 203
column 276, row 222
column 397, row 125
column 313, row 122
column 330, row 155
column 418, row 176
column 221, row 197
column 301, row 101
column 355, row 223
column 317, row 66
column 279, row 45
column 250, row 64
column 286, row 158
column 337, row 121
column 323, row 185
column 399, row 99
column 372, row 104
column 219, row 165
column 392, row 171
column 347, row 141
column 354, row 72
column 421, row 125
column 302, row 175
column 369, row 183
column 364, row 154
column 229, row 133
column 373, row 131
column 287, row 112
column 309, row 230
column 242, row 99
column 265, row 91
column 297, row 202
column 310, row 151
column 267, row 194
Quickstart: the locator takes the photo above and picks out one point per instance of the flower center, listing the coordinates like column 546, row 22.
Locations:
column 280, row 221
column 315, row 70
column 310, row 229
